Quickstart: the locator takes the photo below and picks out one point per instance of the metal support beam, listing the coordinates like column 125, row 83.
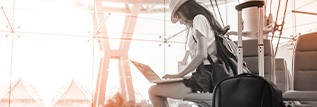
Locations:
column 302, row 12
column 127, row 89
column 129, row 26
column 100, row 90
column 125, row 78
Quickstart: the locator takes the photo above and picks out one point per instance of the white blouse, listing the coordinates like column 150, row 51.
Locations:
column 201, row 24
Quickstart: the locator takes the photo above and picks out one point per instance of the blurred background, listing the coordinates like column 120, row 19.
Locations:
column 76, row 53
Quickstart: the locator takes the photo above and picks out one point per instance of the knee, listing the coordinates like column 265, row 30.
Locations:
column 152, row 90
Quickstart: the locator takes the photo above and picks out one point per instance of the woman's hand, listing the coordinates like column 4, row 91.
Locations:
column 172, row 76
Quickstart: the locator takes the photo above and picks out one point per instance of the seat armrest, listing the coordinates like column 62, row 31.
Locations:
column 198, row 97
column 300, row 95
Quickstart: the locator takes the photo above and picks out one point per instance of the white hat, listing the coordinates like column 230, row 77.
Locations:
column 174, row 5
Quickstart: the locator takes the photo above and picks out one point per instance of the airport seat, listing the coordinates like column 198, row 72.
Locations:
column 250, row 57
column 282, row 74
column 304, row 80
column 200, row 99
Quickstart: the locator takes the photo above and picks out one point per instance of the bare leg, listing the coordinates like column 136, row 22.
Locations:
column 159, row 93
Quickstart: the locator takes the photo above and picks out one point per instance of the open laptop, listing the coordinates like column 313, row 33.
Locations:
column 151, row 76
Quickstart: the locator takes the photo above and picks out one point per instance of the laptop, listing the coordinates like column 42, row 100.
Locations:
column 151, row 76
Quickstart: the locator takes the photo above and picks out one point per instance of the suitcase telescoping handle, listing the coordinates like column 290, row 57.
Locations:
column 249, row 4
column 239, row 8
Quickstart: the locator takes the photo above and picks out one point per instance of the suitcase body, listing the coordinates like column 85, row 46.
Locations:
column 246, row 89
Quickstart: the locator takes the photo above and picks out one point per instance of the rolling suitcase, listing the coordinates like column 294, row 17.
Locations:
column 247, row 89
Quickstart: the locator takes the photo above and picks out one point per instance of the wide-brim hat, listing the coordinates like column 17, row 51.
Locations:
column 174, row 5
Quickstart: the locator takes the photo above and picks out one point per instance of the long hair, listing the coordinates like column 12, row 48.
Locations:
column 191, row 8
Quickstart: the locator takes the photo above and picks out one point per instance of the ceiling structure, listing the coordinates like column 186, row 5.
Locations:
column 148, row 6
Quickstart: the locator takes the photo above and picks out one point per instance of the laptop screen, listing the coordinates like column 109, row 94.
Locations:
column 149, row 74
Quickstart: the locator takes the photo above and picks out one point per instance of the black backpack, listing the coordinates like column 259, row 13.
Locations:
column 247, row 90
column 226, row 66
